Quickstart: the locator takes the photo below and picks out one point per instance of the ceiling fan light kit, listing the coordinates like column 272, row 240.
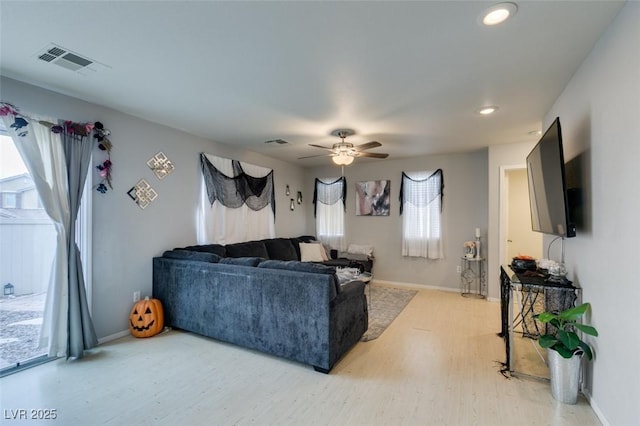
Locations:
column 342, row 159
column 343, row 153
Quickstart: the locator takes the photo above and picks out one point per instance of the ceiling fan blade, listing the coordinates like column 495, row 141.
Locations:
column 372, row 154
column 312, row 156
column 320, row 146
column 368, row 145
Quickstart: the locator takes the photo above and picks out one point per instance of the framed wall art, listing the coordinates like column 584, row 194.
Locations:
column 373, row 198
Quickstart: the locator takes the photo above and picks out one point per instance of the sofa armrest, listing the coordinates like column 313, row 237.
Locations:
column 352, row 288
column 349, row 319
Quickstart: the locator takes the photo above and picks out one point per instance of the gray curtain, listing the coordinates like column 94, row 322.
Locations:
column 81, row 334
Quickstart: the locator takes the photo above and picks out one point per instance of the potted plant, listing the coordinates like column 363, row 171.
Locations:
column 566, row 350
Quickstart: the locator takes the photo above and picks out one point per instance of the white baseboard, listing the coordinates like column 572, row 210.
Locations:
column 413, row 286
column 111, row 337
column 595, row 408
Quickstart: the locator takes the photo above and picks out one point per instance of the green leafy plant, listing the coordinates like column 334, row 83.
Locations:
column 565, row 341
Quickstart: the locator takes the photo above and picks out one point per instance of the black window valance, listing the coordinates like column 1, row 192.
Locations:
column 421, row 192
column 234, row 191
column 329, row 193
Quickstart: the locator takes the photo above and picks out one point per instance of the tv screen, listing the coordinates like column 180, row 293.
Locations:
column 547, row 185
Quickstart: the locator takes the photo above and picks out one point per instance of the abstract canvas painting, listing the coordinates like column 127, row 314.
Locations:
column 373, row 198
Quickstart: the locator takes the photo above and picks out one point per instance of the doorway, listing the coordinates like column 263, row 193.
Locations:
column 518, row 238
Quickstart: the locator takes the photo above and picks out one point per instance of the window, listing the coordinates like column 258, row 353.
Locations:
column 329, row 200
column 236, row 201
column 421, row 210
column 9, row 200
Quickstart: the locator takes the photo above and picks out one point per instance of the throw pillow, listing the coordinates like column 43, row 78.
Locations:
column 327, row 251
column 360, row 249
column 312, row 252
column 303, row 239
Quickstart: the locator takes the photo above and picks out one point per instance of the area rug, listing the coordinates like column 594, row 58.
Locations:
column 385, row 304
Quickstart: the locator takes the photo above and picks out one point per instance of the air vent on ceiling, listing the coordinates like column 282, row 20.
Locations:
column 278, row 141
column 67, row 59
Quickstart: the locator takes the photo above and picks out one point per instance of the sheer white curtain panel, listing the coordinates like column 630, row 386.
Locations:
column 422, row 217
column 221, row 225
column 43, row 154
column 330, row 218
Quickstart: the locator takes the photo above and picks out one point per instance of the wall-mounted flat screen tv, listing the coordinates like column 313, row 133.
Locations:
column 547, row 185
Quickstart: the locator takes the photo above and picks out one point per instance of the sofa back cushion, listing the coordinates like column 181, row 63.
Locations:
column 294, row 265
column 247, row 249
column 242, row 261
column 192, row 255
column 209, row 248
column 281, row 249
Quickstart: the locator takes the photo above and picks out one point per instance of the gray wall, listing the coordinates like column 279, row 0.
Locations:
column 599, row 111
column 464, row 209
column 125, row 238
column 600, row 114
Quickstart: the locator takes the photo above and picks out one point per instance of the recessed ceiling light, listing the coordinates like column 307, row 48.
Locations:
column 498, row 13
column 486, row 110
column 534, row 133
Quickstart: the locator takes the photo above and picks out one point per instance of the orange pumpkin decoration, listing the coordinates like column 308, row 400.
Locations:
column 147, row 318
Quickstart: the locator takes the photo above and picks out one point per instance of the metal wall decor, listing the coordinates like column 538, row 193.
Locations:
column 142, row 193
column 292, row 205
column 287, row 191
column 299, row 199
column 161, row 165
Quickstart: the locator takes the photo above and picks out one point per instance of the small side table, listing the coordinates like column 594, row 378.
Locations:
column 473, row 274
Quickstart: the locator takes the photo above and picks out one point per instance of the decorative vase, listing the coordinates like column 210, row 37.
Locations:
column 565, row 376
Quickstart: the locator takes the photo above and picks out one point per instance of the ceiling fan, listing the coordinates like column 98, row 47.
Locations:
column 343, row 153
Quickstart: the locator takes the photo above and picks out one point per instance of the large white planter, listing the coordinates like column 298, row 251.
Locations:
column 565, row 376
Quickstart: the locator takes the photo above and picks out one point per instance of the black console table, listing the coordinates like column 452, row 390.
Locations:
column 532, row 293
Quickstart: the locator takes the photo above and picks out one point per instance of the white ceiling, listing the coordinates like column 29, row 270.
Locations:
column 408, row 74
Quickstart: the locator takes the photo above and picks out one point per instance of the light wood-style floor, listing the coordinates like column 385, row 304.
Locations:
column 437, row 364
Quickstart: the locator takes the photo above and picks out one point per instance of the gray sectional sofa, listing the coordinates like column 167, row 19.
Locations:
column 292, row 309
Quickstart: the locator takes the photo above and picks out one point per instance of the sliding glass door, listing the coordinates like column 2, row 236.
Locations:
column 27, row 246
